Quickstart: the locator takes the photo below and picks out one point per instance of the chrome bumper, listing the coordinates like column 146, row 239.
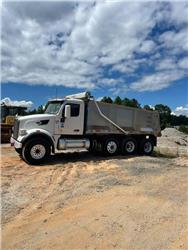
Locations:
column 15, row 143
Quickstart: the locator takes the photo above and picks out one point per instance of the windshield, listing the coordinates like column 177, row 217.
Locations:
column 53, row 107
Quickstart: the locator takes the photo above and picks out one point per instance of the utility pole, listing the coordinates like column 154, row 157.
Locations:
column 56, row 93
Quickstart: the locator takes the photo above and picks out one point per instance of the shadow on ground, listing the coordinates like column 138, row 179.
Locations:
column 85, row 156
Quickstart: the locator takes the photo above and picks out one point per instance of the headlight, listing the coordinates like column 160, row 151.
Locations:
column 23, row 132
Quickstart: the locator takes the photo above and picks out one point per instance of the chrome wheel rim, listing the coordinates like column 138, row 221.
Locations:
column 38, row 151
column 111, row 147
column 147, row 147
column 130, row 146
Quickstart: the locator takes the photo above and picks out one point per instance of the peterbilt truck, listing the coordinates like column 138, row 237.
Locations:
column 78, row 121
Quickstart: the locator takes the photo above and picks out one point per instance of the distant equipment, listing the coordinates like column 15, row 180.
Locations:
column 8, row 113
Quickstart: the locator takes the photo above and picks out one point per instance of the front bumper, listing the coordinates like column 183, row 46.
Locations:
column 15, row 143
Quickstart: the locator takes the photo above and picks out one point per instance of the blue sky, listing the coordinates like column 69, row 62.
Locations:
column 139, row 52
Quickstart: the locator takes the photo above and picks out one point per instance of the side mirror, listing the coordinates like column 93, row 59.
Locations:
column 67, row 111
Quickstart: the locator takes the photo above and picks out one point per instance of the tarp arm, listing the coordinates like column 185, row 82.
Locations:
column 106, row 118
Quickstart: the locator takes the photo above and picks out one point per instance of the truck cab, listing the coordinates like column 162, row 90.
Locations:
column 70, row 117
column 59, row 128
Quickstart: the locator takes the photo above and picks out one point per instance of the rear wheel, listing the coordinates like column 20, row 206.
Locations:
column 110, row 147
column 129, row 146
column 36, row 151
column 146, row 146
column 93, row 146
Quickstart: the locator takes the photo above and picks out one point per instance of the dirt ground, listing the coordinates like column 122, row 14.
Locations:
column 80, row 201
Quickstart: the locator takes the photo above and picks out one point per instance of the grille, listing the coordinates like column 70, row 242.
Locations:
column 16, row 129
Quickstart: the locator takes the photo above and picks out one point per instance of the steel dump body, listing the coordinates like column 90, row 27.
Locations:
column 132, row 120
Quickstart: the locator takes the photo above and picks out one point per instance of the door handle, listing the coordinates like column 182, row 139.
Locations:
column 76, row 130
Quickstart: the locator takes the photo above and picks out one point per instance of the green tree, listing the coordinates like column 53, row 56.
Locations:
column 40, row 110
column 135, row 103
column 131, row 103
column 107, row 99
column 163, row 109
column 126, row 101
column 118, row 100
column 147, row 107
column 183, row 129
column 178, row 120
column 165, row 115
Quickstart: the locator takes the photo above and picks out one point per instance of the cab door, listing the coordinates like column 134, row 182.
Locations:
column 74, row 123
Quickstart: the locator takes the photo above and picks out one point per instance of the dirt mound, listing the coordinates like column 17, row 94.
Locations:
column 173, row 143
column 173, row 132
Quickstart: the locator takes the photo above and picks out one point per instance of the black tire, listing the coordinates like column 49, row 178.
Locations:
column 110, row 147
column 36, row 151
column 146, row 146
column 129, row 146
column 93, row 146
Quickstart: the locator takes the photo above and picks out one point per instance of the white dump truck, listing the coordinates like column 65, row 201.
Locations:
column 78, row 121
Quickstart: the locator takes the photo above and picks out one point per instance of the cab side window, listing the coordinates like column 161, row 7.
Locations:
column 75, row 109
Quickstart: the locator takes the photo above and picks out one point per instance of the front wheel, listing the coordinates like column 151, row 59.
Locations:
column 36, row 151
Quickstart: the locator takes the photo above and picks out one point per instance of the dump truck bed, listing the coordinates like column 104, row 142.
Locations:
column 132, row 120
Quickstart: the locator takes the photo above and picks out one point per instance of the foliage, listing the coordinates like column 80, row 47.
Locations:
column 147, row 107
column 183, row 129
column 163, row 109
column 131, row 103
column 165, row 113
column 39, row 110
column 178, row 120
column 118, row 100
column 107, row 99
column 126, row 101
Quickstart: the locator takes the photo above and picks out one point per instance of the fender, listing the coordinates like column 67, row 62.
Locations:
column 36, row 133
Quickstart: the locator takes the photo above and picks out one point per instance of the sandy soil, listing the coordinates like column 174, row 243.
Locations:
column 79, row 201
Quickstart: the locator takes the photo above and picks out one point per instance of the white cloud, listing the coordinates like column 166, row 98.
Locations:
column 111, row 81
column 183, row 63
column 179, row 11
column 84, row 44
column 147, row 46
column 99, row 98
column 151, row 107
column 166, row 64
column 8, row 102
column 157, row 81
column 174, row 41
column 181, row 110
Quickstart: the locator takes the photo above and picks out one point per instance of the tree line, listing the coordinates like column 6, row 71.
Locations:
column 167, row 119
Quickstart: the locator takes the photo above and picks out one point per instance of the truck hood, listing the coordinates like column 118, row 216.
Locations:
column 35, row 122
column 35, row 117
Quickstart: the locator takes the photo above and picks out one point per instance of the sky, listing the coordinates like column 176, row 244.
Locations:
column 131, row 49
